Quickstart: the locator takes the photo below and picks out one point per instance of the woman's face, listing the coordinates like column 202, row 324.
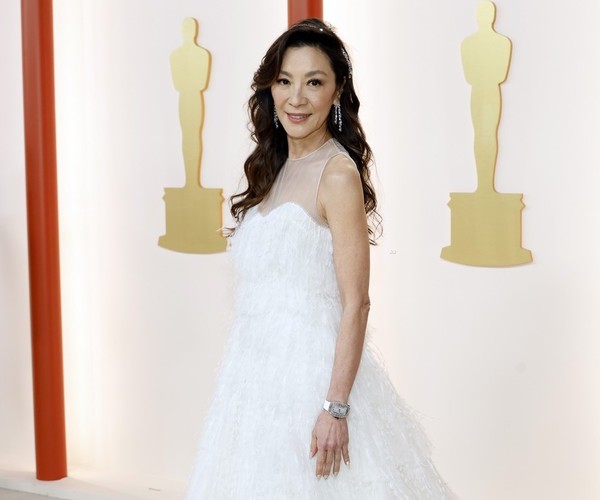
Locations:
column 304, row 92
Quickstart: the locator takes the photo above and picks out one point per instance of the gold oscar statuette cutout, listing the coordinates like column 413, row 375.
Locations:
column 194, row 215
column 486, row 225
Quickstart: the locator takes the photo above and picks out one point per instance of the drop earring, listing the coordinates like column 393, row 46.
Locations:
column 275, row 118
column 337, row 116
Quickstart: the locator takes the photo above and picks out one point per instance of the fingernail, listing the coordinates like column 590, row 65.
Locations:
column 348, row 463
column 325, row 477
column 335, row 474
column 318, row 476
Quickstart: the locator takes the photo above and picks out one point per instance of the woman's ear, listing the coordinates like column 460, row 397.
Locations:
column 341, row 89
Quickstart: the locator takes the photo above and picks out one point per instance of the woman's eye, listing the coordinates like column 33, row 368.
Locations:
column 283, row 81
column 314, row 82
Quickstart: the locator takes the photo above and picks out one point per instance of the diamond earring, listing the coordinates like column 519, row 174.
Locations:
column 275, row 118
column 337, row 116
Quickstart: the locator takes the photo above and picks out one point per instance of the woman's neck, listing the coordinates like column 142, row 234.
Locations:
column 298, row 148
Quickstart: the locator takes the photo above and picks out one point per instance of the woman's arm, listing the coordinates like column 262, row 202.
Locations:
column 341, row 202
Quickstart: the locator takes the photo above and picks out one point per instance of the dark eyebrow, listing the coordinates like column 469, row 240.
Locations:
column 307, row 75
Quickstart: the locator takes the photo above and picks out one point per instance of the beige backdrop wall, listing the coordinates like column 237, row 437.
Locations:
column 501, row 363
column 16, row 412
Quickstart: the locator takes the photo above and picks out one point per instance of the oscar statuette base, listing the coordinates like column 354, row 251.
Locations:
column 193, row 220
column 486, row 230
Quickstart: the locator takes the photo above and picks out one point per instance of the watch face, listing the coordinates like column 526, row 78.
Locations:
column 339, row 409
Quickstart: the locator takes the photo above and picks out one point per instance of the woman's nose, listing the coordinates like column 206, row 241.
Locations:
column 297, row 96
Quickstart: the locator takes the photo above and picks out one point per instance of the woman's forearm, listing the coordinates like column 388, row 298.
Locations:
column 348, row 350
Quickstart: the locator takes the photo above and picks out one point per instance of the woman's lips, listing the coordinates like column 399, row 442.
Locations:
column 297, row 117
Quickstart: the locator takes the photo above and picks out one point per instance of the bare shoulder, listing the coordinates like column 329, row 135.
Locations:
column 340, row 192
column 339, row 175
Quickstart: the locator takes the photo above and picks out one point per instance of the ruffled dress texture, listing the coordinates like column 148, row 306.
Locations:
column 277, row 365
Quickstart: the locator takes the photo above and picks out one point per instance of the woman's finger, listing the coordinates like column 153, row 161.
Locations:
column 321, row 458
column 313, row 445
column 345, row 454
column 337, row 458
column 328, row 463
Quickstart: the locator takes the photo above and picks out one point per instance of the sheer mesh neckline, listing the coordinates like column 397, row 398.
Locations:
column 299, row 179
column 312, row 152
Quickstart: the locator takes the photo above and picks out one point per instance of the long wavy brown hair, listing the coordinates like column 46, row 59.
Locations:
column 271, row 151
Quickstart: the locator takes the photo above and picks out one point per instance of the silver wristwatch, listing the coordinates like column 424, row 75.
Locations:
column 336, row 409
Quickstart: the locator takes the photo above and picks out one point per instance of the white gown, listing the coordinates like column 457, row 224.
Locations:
column 277, row 366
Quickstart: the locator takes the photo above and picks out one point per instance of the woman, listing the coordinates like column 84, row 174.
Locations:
column 280, row 424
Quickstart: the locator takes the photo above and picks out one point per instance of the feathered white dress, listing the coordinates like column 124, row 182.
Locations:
column 277, row 366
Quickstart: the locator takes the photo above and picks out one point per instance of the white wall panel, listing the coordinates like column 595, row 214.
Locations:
column 144, row 327
column 16, row 400
column 502, row 363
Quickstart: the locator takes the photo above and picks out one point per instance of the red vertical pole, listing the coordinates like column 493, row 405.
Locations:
column 301, row 9
column 42, row 233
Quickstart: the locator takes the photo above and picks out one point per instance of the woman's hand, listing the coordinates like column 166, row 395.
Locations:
column 330, row 444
